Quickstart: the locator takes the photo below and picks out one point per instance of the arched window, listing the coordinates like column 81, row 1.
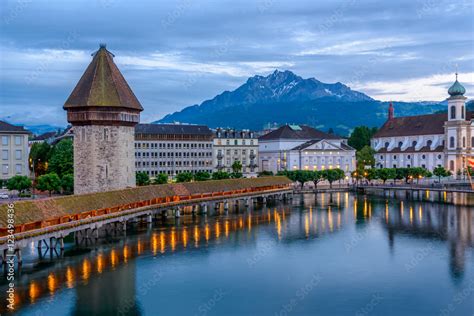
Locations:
column 414, row 143
column 429, row 143
column 386, row 144
column 451, row 165
column 453, row 112
column 400, row 144
column 451, row 142
column 462, row 111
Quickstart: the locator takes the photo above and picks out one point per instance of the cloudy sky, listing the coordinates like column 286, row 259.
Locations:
column 179, row 53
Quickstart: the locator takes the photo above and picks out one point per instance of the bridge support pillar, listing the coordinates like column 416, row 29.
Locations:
column 204, row 208
column 51, row 243
column 61, row 243
column 194, row 210
column 226, row 205
column 149, row 218
column 264, row 200
column 39, row 244
column 18, row 255
column 124, row 226
column 177, row 213
column 247, row 202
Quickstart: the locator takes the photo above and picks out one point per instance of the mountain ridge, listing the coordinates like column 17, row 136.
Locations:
column 284, row 97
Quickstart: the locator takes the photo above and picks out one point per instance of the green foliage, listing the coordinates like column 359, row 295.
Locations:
column 332, row 175
column 360, row 137
column 49, row 182
column 220, row 175
column 371, row 174
column 161, row 179
column 202, row 176
column 142, row 178
column 237, row 167
column 184, row 177
column 236, row 175
column 265, row 174
column 365, row 157
column 19, row 183
column 67, row 183
column 441, row 172
column 39, row 156
column 386, row 173
column 61, row 160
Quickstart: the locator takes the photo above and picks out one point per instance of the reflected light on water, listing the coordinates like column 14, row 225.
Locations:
column 86, row 269
column 330, row 224
column 206, row 232
column 100, row 263
column 69, row 277
column 185, row 237
column 113, row 258
column 52, row 283
column 173, row 240
column 33, row 291
column 162, row 242
column 126, row 253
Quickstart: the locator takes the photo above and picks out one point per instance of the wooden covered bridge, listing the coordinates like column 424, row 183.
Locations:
column 48, row 221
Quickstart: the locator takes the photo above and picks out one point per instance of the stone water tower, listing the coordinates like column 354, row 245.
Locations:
column 103, row 111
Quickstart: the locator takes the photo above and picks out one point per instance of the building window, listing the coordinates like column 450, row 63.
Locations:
column 5, row 154
column 451, row 165
column 387, row 144
column 462, row 111
column 464, row 141
column 18, row 140
column 400, row 144
column 423, row 157
column 439, row 156
column 429, row 143
column 408, row 157
column 5, row 140
column 394, row 157
column 5, row 169
column 18, row 169
column 18, row 154
column 451, row 142
column 453, row 112
column 472, row 141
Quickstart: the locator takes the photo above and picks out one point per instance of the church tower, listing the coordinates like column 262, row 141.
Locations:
column 103, row 111
column 457, row 129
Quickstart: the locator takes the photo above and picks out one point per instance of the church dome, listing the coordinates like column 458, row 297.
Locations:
column 456, row 89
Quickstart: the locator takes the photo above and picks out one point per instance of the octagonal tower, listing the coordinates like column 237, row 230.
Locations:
column 103, row 111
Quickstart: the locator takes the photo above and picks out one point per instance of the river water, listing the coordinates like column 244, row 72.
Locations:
column 338, row 254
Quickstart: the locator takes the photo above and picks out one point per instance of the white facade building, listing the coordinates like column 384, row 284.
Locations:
column 14, row 149
column 428, row 141
column 300, row 147
column 172, row 149
column 231, row 146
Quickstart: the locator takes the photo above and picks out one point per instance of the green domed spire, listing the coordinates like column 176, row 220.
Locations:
column 456, row 88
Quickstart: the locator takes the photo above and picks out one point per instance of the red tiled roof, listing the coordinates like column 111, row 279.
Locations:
column 6, row 127
column 415, row 125
column 102, row 84
column 304, row 132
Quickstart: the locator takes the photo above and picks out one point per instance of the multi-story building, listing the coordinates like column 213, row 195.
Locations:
column 231, row 146
column 14, row 149
column 428, row 141
column 172, row 149
column 300, row 147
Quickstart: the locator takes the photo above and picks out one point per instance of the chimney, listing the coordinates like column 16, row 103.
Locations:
column 390, row 111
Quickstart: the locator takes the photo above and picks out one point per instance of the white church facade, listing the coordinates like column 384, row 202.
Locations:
column 428, row 141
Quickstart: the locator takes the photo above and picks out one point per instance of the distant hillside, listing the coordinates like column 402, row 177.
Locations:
column 283, row 97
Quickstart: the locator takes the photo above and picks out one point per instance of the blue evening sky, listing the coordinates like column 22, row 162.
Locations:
column 179, row 53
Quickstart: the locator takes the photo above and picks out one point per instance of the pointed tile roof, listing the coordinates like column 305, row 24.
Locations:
column 102, row 84
column 297, row 132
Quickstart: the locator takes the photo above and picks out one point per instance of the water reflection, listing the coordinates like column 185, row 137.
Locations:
column 111, row 268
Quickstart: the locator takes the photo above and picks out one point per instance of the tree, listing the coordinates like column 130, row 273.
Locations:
column 184, row 177
column 61, row 161
column 39, row 156
column 202, row 176
column 219, row 175
column 371, row 174
column 402, row 173
column 386, row 173
column 365, row 157
column 49, row 182
column 332, row 175
column 316, row 177
column 360, row 137
column 67, row 183
column 236, row 175
column 19, row 183
column 440, row 172
column 237, row 167
column 142, row 178
column 161, row 179
column 266, row 173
